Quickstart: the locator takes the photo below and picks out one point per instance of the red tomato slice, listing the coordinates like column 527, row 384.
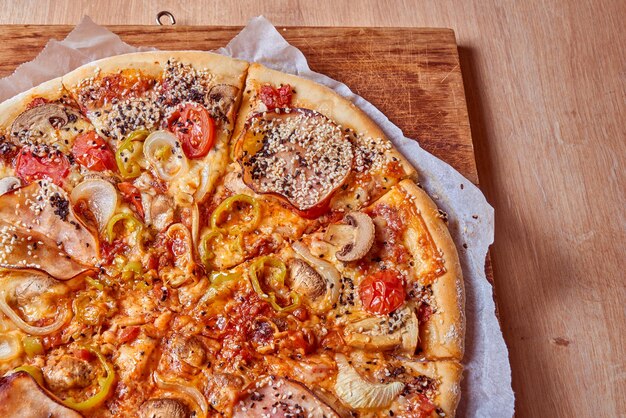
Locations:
column 133, row 196
column 30, row 166
column 382, row 292
column 91, row 151
column 195, row 129
column 273, row 98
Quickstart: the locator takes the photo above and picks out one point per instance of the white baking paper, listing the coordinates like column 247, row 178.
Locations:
column 486, row 389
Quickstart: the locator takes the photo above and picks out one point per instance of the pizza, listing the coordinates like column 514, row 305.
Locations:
column 184, row 234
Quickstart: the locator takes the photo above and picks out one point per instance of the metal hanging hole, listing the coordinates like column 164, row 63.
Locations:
column 160, row 15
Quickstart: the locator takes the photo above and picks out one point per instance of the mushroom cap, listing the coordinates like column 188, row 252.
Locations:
column 305, row 280
column 21, row 396
column 222, row 98
column 164, row 408
column 362, row 237
column 40, row 118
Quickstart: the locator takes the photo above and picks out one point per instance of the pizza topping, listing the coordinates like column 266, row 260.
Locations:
column 298, row 155
column 131, row 225
column 20, row 392
column 357, row 392
column 105, row 385
column 62, row 318
column 184, row 388
column 163, row 152
column 269, row 271
column 280, row 397
column 128, row 152
column 38, row 162
column 132, row 195
column 375, row 333
column 195, row 129
column 25, row 249
column 10, row 346
column 100, row 198
column 68, row 372
column 355, row 237
column 164, row 408
column 222, row 99
column 382, row 292
column 318, row 279
column 276, row 97
column 92, row 152
column 236, row 214
column 41, row 119
column 39, row 208
column 8, row 184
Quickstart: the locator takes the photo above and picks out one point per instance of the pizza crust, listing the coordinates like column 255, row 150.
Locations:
column 443, row 334
column 11, row 108
column 449, row 375
column 226, row 70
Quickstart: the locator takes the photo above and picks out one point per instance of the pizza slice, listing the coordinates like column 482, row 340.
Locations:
column 169, row 112
column 311, row 148
column 398, row 264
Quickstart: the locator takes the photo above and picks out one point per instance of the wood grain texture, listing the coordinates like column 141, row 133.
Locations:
column 545, row 85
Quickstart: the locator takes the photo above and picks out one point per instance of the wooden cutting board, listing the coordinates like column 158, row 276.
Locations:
column 412, row 75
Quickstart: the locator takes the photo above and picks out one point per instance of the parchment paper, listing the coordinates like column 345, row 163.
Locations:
column 487, row 384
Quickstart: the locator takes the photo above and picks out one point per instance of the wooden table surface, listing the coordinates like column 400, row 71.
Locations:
column 545, row 84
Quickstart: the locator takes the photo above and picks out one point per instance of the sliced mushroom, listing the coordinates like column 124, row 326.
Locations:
column 357, row 392
column 8, row 184
column 41, row 118
column 305, row 280
column 399, row 330
column 21, row 396
column 68, row 373
column 22, row 249
column 222, row 98
column 315, row 279
column 287, row 397
column 164, row 408
column 355, row 236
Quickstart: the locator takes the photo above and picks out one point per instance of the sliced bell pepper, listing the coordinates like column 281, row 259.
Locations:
column 130, row 222
column 277, row 280
column 129, row 168
column 227, row 207
column 207, row 255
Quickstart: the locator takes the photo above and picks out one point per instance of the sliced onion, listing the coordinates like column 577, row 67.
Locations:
column 357, row 392
column 175, row 165
column 10, row 347
column 9, row 184
column 181, row 387
column 101, row 198
column 195, row 224
column 205, row 183
column 326, row 270
column 61, row 320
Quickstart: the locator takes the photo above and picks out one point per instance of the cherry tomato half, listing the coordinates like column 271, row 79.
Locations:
column 91, row 151
column 195, row 129
column 382, row 292
column 276, row 97
column 31, row 166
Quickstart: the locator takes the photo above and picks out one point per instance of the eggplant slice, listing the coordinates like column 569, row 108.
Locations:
column 44, row 209
column 22, row 397
column 297, row 154
column 280, row 397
